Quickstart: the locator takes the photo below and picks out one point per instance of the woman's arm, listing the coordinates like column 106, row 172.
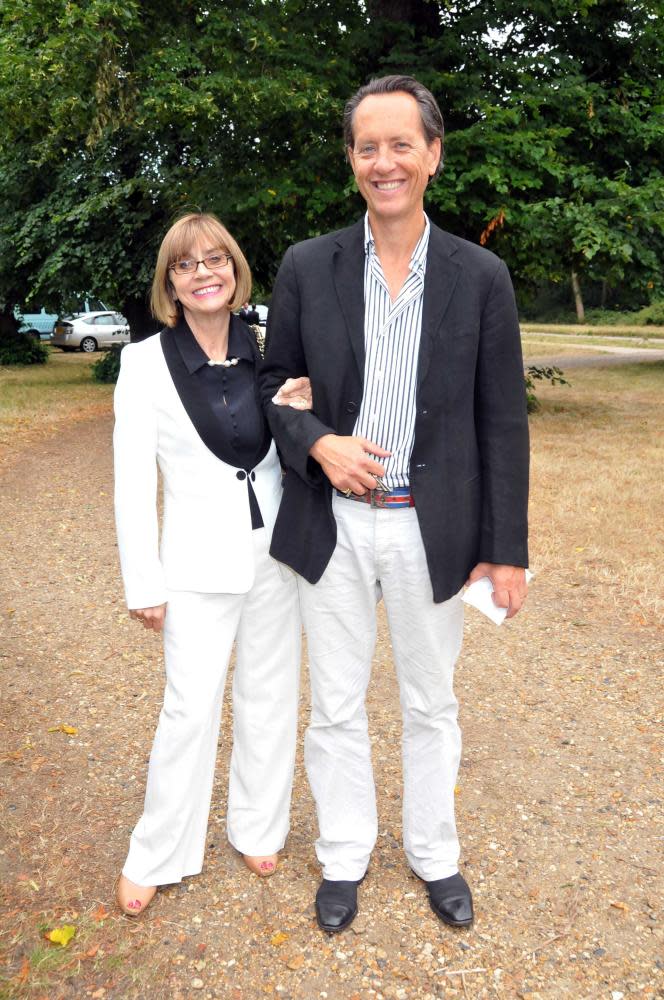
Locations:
column 135, row 453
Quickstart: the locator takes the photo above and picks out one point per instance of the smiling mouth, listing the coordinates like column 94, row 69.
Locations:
column 208, row 290
column 387, row 185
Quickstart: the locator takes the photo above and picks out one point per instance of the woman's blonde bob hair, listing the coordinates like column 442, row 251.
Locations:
column 194, row 228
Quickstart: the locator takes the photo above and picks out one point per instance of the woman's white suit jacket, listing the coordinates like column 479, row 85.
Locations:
column 206, row 538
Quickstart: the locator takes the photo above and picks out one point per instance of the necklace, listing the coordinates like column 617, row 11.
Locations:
column 228, row 363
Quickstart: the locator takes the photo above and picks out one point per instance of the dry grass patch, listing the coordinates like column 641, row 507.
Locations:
column 597, row 461
column 594, row 331
column 545, row 348
column 38, row 400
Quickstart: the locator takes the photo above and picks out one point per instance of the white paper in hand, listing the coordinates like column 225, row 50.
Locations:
column 480, row 595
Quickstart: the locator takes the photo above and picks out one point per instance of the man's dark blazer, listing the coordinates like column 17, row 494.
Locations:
column 469, row 465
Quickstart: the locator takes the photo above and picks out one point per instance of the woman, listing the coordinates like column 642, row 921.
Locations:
column 186, row 400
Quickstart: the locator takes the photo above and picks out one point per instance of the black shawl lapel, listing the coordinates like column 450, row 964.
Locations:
column 440, row 279
column 198, row 410
column 348, row 262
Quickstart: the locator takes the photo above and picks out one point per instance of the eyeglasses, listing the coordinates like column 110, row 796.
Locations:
column 213, row 262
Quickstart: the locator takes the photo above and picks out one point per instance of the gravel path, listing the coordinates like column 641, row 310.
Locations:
column 609, row 357
column 559, row 809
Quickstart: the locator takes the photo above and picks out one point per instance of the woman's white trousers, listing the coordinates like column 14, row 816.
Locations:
column 168, row 842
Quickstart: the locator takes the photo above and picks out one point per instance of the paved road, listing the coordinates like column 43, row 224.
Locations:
column 613, row 356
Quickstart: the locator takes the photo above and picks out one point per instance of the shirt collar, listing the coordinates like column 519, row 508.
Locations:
column 418, row 258
column 194, row 356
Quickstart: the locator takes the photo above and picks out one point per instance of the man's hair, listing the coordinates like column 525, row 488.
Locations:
column 430, row 114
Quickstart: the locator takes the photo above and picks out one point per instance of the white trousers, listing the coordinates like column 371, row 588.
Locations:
column 380, row 553
column 168, row 842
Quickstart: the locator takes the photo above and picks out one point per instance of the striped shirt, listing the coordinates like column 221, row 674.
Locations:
column 392, row 342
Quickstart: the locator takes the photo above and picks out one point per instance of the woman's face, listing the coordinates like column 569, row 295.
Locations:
column 208, row 289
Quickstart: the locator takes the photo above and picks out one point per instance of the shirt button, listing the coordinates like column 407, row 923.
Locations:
column 351, row 407
column 240, row 474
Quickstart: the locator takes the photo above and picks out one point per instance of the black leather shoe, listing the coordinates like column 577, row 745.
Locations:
column 336, row 905
column 451, row 900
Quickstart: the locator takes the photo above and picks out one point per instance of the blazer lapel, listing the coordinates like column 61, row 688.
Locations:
column 440, row 280
column 348, row 263
column 196, row 406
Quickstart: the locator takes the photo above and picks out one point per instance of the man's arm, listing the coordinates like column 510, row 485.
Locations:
column 305, row 442
column 502, row 430
column 295, row 431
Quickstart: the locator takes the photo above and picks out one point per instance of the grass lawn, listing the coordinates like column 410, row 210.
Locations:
column 597, row 456
column 36, row 400
column 639, row 332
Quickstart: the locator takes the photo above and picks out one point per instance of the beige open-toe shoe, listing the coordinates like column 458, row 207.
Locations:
column 263, row 865
column 133, row 899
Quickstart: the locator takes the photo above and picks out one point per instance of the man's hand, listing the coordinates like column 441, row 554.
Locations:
column 347, row 461
column 295, row 392
column 509, row 585
column 150, row 617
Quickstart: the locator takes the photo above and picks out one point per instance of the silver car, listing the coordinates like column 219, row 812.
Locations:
column 90, row 331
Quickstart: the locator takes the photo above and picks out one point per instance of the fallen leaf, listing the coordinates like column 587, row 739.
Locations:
column 100, row 913
column 296, row 962
column 278, row 938
column 62, row 935
column 62, row 728
column 33, row 885
column 91, row 952
column 620, row 906
column 25, row 970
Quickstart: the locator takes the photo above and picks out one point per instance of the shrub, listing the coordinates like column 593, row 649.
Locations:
column 19, row 349
column 652, row 315
column 107, row 367
column 534, row 373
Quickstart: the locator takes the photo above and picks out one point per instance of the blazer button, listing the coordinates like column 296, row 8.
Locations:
column 351, row 407
column 253, row 477
column 240, row 474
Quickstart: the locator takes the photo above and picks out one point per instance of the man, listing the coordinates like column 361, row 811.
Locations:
column 408, row 479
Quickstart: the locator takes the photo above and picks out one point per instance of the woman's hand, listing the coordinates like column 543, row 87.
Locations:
column 150, row 617
column 295, row 392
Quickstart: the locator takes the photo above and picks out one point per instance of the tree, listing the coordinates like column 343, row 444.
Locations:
column 116, row 117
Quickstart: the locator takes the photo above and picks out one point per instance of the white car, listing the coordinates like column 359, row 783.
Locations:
column 262, row 314
column 90, row 331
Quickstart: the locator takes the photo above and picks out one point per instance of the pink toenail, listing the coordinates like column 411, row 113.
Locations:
column 267, row 865
column 136, row 905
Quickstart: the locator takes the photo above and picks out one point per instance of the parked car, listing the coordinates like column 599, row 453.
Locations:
column 90, row 331
column 262, row 315
column 37, row 321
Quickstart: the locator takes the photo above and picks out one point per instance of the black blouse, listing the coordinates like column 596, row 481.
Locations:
column 222, row 403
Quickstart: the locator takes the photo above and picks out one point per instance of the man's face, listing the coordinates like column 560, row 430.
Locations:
column 391, row 158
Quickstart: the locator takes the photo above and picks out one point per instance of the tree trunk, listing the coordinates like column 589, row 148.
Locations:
column 141, row 322
column 421, row 14
column 578, row 300
column 605, row 293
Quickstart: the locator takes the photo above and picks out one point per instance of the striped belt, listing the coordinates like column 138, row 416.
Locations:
column 393, row 499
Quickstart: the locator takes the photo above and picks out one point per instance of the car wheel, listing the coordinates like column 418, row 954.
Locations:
column 88, row 344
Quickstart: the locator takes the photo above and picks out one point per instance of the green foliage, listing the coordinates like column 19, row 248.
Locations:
column 107, row 367
column 116, row 117
column 652, row 315
column 19, row 349
column 536, row 373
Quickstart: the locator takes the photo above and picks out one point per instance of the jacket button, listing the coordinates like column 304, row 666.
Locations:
column 253, row 477
column 240, row 474
column 351, row 407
